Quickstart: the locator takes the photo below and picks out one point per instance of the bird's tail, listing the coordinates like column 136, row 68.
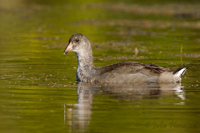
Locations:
column 179, row 72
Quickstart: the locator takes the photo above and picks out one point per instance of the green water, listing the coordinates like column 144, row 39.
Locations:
column 38, row 91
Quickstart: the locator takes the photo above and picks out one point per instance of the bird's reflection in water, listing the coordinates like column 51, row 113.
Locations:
column 78, row 116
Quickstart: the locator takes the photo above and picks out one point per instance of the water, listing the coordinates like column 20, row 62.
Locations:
column 38, row 83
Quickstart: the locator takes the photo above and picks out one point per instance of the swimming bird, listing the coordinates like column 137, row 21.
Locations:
column 122, row 72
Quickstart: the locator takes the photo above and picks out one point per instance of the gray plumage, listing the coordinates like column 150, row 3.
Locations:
column 122, row 72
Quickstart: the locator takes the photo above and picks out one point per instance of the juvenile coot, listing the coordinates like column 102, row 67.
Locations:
column 122, row 72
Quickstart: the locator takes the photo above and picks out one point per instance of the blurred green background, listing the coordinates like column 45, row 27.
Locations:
column 36, row 79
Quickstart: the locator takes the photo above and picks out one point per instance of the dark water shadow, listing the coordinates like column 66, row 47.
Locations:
column 78, row 116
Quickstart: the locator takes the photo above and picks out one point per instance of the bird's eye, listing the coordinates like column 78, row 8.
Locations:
column 76, row 40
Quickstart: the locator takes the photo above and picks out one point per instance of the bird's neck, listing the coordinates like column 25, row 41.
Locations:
column 86, row 69
column 85, row 59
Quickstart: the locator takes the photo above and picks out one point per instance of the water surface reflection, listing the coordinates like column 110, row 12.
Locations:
column 78, row 116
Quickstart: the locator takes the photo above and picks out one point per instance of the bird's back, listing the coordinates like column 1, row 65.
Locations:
column 134, row 73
